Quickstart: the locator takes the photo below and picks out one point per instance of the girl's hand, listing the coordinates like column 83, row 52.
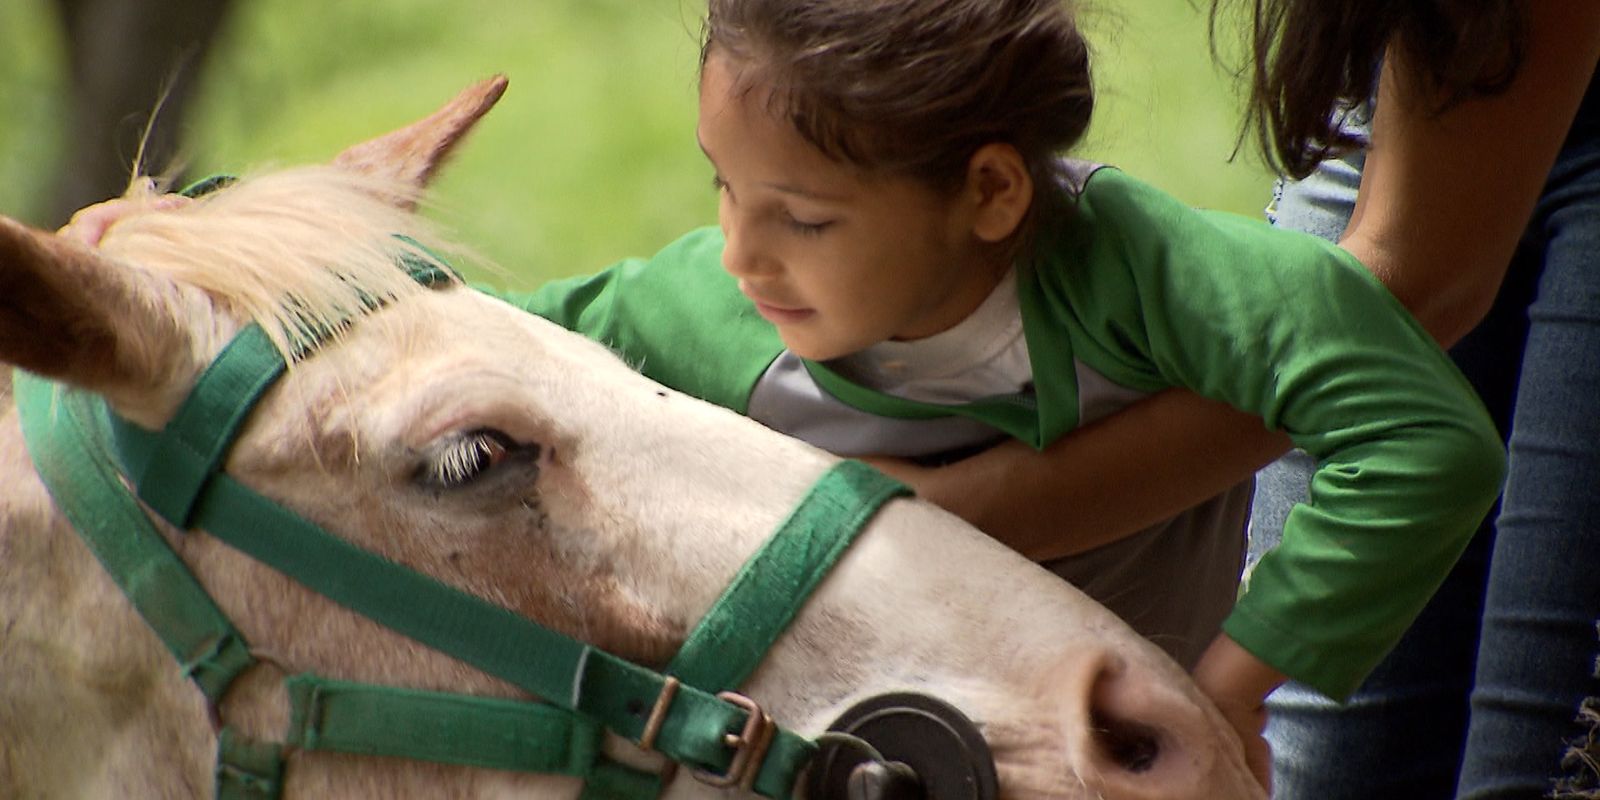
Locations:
column 1249, row 720
column 89, row 224
column 1239, row 683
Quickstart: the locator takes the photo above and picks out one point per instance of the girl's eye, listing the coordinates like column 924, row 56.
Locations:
column 466, row 458
column 798, row 226
column 805, row 228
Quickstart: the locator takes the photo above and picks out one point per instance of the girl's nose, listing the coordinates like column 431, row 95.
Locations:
column 741, row 255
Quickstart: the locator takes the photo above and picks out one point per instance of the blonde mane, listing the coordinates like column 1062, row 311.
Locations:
column 298, row 250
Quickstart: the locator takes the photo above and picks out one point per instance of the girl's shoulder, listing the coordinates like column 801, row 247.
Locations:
column 678, row 317
column 1114, row 219
column 1107, row 195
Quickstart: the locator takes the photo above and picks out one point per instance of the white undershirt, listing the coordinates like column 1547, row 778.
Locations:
column 982, row 356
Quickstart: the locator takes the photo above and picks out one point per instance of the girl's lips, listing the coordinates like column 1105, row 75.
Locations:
column 780, row 316
column 775, row 314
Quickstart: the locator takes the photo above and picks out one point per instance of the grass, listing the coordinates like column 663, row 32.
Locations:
column 590, row 157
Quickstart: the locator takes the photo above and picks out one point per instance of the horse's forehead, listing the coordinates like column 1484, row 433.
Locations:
column 389, row 376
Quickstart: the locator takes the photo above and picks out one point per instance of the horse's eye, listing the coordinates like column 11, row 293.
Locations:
column 466, row 457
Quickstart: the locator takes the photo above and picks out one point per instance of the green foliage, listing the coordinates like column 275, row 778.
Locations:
column 590, row 157
column 33, row 94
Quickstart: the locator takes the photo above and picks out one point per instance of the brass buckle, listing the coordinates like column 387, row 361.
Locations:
column 658, row 714
column 749, row 746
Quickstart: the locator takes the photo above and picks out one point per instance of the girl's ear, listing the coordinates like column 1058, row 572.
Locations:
column 1002, row 189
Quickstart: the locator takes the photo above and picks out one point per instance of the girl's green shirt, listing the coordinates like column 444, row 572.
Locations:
column 1154, row 294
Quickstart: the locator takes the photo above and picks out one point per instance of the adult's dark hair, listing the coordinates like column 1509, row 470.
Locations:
column 1313, row 58
column 915, row 87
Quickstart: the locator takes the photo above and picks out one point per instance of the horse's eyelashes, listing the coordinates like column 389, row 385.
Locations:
column 462, row 459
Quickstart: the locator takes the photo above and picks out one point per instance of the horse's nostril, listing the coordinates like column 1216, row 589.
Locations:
column 1136, row 737
column 1133, row 746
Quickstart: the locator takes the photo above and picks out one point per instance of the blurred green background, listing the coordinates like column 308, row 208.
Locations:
column 590, row 156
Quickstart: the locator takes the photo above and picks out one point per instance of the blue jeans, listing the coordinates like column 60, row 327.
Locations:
column 1477, row 699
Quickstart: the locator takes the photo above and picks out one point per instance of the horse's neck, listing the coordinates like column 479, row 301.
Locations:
column 93, row 703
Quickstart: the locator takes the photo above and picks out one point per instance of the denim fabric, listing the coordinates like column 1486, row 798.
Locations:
column 1519, row 610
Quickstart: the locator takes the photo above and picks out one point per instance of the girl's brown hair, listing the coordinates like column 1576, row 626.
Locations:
column 1313, row 58
column 915, row 87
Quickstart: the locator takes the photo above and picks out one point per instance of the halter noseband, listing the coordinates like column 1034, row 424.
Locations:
column 690, row 714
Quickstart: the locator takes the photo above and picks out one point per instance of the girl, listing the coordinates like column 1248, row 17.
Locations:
column 905, row 267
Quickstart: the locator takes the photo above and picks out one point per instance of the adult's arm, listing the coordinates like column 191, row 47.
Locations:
column 1445, row 197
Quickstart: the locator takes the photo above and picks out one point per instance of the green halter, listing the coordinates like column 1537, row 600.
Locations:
column 689, row 714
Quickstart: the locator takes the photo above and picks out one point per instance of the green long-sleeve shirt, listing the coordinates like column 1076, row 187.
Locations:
column 1153, row 294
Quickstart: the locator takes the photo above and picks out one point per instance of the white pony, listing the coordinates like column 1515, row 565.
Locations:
column 512, row 460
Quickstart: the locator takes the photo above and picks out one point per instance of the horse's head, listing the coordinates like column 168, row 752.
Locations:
column 513, row 460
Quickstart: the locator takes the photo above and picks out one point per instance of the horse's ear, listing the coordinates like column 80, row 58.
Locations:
column 71, row 314
column 414, row 153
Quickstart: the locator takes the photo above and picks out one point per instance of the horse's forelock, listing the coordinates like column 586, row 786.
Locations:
column 298, row 249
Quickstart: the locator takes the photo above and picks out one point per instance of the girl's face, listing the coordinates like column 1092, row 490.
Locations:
column 838, row 259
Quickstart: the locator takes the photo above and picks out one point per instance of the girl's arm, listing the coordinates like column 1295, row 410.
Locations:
column 1239, row 683
column 1104, row 481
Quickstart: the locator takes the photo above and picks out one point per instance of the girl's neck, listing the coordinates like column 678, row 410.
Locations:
column 951, row 358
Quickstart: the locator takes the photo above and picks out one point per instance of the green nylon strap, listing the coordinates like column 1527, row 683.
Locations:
column 177, row 472
column 617, row 690
column 753, row 612
column 247, row 769
column 612, row 781
column 174, row 473
column 491, row 732
column 207, row 185
column 64, row 428
column 555, row 667
column 66, row 431
column 425, row 266
column 195, row 441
